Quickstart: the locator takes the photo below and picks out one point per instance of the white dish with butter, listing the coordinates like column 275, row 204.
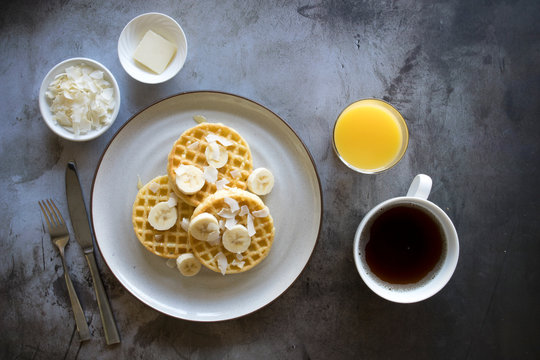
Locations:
column 131, row 37
column 97, row 89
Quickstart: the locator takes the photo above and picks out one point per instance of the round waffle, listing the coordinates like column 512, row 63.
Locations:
column 261, row 241
column 168, row 243
column 190, row 149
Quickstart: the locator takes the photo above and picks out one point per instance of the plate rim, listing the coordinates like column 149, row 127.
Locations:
column 215, row 92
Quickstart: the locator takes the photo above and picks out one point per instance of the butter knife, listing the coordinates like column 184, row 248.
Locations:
column 85, row 238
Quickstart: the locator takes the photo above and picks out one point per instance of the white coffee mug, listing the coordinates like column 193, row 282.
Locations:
column 437, row 278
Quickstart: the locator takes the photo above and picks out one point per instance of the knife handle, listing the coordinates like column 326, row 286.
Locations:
column 107, row 318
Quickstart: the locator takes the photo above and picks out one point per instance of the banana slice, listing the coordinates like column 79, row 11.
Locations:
column 204, row 227
column 189, row 179
column 236, row 239
column 216, row 155
column 188, row 264
column 162, row 216
column 260, row 181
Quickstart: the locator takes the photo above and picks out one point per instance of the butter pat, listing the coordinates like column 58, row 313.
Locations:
column 154, row 52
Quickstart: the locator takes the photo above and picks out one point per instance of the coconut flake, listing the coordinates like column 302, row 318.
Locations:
column 244, row 210
column 211, row 138
column 233, row 204
column 223, row 141
column 221, row 262
column 220, row 184
column 158, row 237
column 236, row 173
column 107, row 94
column 213, row 148
column 194, row 146
column 215, row 242
column 185, row 224
column 80, row 99
column 153, row 187
column 226, row 213
column 250, row 226
column 264, row 212
column 97, row 75
column 210, row 174
column 239, row 256
column 230, row 222
column 139, row 183
column 173, row 200
column 213, row 236
column 240, row 264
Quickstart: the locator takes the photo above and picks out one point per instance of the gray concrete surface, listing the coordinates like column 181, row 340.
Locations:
column 465, row 75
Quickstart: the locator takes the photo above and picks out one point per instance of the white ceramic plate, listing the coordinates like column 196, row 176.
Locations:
column 141, row 147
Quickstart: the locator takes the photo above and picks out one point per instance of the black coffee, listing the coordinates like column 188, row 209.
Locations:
column 405, row 244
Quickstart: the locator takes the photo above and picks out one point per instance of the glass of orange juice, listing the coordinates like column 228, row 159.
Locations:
column 370, row 136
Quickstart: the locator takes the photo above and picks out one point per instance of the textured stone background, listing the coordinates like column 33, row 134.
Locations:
column 465, row 74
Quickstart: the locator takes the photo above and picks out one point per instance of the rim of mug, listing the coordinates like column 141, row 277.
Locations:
column 443, row 275
column 404, row 147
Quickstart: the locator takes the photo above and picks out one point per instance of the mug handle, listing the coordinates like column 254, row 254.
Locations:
column 420, row 187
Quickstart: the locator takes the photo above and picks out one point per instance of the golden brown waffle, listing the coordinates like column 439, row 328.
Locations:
column 168, row 243
column 261, row 242
column 239, row 160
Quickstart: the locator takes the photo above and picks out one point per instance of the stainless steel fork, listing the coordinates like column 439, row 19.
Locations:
column 60, row 237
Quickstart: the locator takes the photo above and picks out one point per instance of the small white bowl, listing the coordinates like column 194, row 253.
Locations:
column 44, row 102
column 132, row 35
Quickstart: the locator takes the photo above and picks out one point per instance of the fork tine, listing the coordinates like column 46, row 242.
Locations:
column 57, row 213
column 50, row 212
column 45, row 212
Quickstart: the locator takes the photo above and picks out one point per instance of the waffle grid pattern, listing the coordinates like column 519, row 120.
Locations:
column 239, row 159
column 261, row 242
column 169, row 243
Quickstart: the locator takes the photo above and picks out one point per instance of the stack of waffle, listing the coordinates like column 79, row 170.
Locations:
column 214, row 197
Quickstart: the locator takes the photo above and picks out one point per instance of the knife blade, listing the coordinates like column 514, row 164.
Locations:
column 85, row 237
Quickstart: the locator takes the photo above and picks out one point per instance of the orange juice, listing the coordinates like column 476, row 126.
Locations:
column 370, row 136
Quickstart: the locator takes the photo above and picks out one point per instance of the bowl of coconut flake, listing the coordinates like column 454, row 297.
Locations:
column 79, row 99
